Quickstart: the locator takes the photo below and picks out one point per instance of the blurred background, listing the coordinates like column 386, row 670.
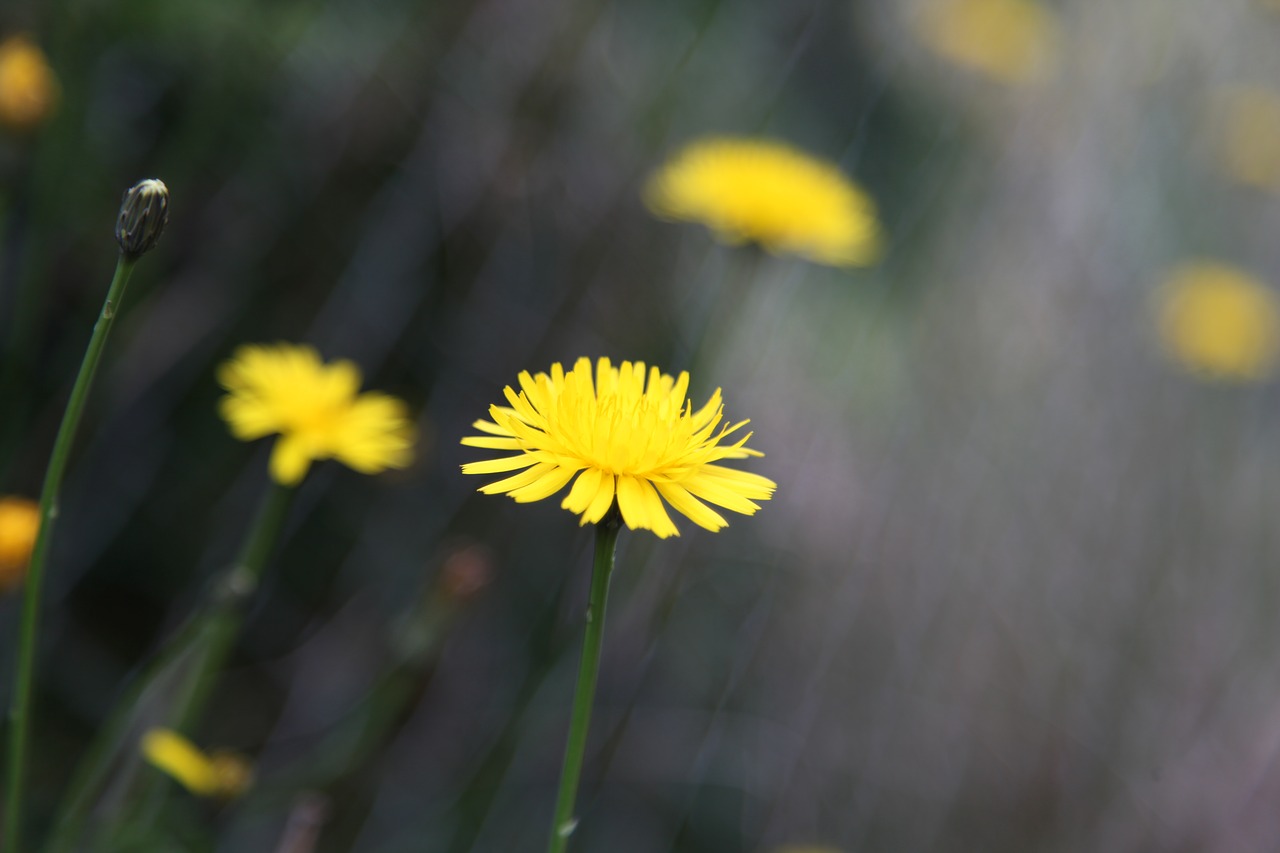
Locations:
column 1018, row 587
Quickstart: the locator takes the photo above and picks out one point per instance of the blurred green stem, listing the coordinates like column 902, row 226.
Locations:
column 584, row 694
column 221, row 622
column 20, row 710
column 110, row 742
column 213, row 636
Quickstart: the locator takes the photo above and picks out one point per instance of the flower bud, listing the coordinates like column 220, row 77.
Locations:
column 144, row 213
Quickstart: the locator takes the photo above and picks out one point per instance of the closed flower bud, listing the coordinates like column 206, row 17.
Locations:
column 144, row 213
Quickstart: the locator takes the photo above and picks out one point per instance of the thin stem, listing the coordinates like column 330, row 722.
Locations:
column 110, row 742
column 20, row 710
column 221, row 622
column 215, row 633
column 584, row 694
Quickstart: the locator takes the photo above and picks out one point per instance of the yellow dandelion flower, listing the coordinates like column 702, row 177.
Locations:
column 1010, row 41
column 19, row 524
column 624, row 438
column 220, row 774
column 1246, row 126
column 749, row 190
column 316, row 409
column 29, row 90
column 1219, row 322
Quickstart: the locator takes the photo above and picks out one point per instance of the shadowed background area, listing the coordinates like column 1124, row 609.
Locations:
column 1017, row 588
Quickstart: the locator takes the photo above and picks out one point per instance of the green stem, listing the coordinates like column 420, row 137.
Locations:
column 20, row 710
column 111, row 741
column 584, row 694
column 221, row 623
column 215, row 633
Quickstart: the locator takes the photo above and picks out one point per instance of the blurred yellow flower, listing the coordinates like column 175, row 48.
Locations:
column 621, row 438
column 748, row 190
column 1011, row 41
column 1219, row 322
column 316, row 409
column 221, row 774
column 1246, row 123
column 19, row 524
column 29, row 90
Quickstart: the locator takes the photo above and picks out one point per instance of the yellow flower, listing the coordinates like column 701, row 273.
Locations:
column 316, row 409
column 1011, row 41
column 622, row 438
column 28, row 88
column 220, row 774
column 19, row 524
column 748, row 190
column 1246, row 121
column 1219, row 322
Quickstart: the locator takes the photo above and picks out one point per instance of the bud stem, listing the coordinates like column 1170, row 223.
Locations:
column 20, row 709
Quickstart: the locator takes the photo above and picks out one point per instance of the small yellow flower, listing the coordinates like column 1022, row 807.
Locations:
column 220, row 774
column 1010, row 41
column 750, row 190
column 1219, row 322
column 316, row 409
column 622, row 438
column 29, row 90
column 19, row 524
column 1246, row 124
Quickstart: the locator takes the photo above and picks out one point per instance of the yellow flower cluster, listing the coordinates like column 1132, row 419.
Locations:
column 1009, row 41
column 1219, row 322
column 624, row 433
column 317, row 410
column 223, row 775
column 748, row 190
column 19, row 525
column 1246, row 123
column 29, row 90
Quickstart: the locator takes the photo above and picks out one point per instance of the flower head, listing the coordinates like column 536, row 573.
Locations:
column 1219, row 322
column 28, row 88
column 1010, row 41
column 19, row 524
column 625, row 434
column 316, row 409
column 1246, row 126
column 219, row 774
column 767, row 192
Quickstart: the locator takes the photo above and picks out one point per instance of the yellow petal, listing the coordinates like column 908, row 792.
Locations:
column 698, row 512
column 290, row 459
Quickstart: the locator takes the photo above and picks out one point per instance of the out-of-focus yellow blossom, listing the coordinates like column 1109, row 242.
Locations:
column 1011, row 41
column 1219, row 322
column 317, row 410
column 220, row 774
column 626, row 434
column 19, row 524
column 751, row 190
column 1246, row 124
column 29, row 90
